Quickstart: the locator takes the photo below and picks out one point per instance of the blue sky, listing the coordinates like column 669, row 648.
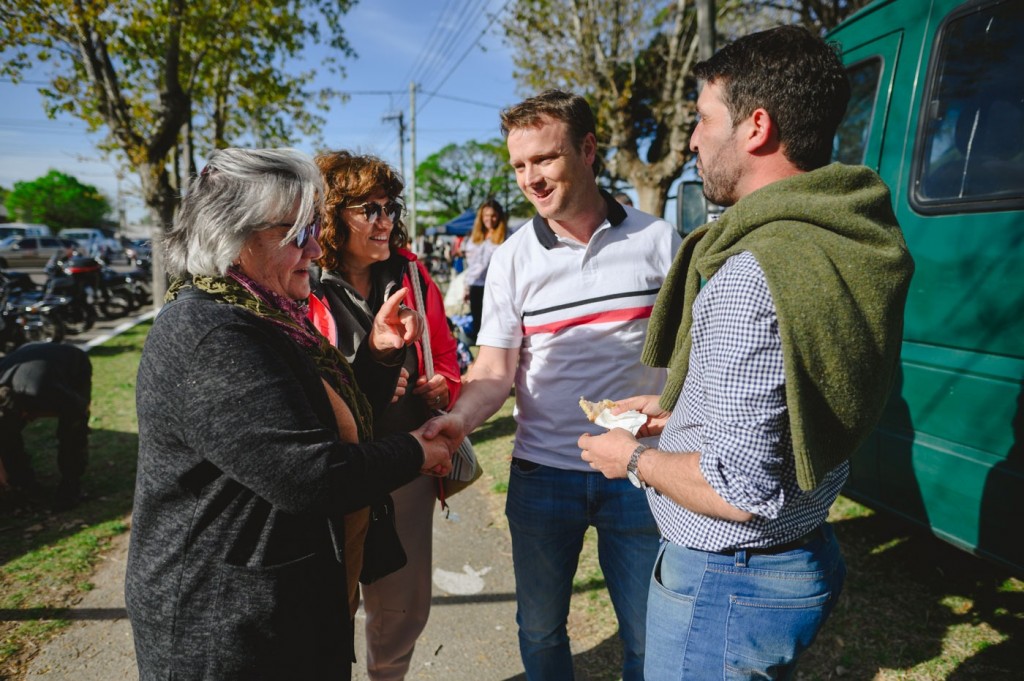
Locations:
column 396, row 41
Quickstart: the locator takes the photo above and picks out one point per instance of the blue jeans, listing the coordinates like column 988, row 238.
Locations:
column 742, row 615
column 549, row 510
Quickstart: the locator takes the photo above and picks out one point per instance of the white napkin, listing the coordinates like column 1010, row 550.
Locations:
column 628, row 420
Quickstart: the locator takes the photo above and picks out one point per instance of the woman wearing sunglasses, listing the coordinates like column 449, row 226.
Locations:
column 253, row 441
column 364, row 258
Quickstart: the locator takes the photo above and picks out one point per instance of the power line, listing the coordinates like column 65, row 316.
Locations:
column 438, row 52
column 486, row 105
column 466, row 53
column 469, row 13
column 429, row 47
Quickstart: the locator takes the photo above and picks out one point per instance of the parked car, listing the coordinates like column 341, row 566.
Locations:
column 95, row 242
column 30, row 251
column 23, row 229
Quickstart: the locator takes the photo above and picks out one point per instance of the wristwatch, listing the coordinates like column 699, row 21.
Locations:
column 632, row 472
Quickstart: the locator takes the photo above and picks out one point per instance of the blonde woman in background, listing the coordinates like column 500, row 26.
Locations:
column 488, row 233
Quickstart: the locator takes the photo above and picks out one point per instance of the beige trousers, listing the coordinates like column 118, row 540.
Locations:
column 397, row 606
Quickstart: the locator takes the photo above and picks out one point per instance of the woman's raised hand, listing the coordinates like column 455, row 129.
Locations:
column 395, row 325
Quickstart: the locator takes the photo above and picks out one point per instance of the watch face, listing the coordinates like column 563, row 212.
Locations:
column 633, row 478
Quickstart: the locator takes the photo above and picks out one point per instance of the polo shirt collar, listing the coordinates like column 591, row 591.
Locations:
column 547, row 237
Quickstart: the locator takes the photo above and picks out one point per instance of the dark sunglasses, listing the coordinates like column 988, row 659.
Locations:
column 310, row 231
column 373, row 210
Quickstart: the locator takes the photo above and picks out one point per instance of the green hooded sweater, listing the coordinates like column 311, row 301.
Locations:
column 838, row 270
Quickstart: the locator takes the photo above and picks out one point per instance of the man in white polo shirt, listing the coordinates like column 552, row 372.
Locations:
column 565, row 313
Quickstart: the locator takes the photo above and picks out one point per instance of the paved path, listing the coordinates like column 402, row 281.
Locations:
column 471, row 635
column 97, row 647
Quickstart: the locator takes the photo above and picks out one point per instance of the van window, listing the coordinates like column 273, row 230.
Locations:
column 970, row 153
column 851, row 139
column 695, row 207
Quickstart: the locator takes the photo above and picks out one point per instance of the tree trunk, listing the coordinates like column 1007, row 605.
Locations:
column 161, row 200
column 652, row 198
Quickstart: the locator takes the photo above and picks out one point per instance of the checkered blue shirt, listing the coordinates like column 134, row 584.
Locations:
column 733, row 411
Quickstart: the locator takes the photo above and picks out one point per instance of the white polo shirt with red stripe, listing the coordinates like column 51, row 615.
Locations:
column 578, row 314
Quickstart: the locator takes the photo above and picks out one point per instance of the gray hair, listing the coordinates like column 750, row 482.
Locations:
column 240, row 191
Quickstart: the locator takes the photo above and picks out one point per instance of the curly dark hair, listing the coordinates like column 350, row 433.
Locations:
column 792, row 74
column 350, row 179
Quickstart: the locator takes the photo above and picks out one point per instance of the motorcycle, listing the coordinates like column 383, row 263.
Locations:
column 76, row 278
column 12, row 335
column 141, row 279
column 118, row 293
column 39, row 315
column 95, row 290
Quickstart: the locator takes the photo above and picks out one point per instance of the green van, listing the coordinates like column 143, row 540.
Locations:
column 938, row 111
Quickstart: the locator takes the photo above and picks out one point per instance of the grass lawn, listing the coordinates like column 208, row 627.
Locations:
column 913, row 607
column 46, row 558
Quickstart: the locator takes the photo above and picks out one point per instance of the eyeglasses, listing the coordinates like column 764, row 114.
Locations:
column 307, row 232
column 373, row 210
column 310, row 231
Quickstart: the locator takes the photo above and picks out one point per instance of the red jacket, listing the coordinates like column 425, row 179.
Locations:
column 442, row 342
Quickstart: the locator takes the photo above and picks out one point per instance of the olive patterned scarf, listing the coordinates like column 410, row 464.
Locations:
column 289, row 317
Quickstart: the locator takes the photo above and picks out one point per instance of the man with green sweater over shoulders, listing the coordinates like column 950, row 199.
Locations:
column 781, row 325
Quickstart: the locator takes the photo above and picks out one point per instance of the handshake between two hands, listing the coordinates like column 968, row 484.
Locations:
column 440, row 437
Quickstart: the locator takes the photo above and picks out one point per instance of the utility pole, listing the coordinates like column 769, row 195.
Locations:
column 122, row 220
column 400, row 117
column 412, row 159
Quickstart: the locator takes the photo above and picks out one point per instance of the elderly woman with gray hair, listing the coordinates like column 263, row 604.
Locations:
column 252, row 440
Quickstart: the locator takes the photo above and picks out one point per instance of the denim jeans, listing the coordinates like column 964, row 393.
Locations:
column 549, row 510
column 742, row 615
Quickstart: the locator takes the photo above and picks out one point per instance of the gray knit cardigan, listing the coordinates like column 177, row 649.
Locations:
column 236, row 562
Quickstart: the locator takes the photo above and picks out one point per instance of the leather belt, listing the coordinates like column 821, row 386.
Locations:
column 816, row 533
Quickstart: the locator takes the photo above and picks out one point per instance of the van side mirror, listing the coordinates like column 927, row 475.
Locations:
column 692, row 208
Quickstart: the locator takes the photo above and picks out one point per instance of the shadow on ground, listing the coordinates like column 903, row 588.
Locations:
column 27, row 522
column 905, row 591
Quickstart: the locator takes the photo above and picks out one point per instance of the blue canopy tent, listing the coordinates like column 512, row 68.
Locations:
column 457, row 226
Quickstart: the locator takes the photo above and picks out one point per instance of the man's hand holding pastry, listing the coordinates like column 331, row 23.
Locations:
column 609, row 452
column 650, row 407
